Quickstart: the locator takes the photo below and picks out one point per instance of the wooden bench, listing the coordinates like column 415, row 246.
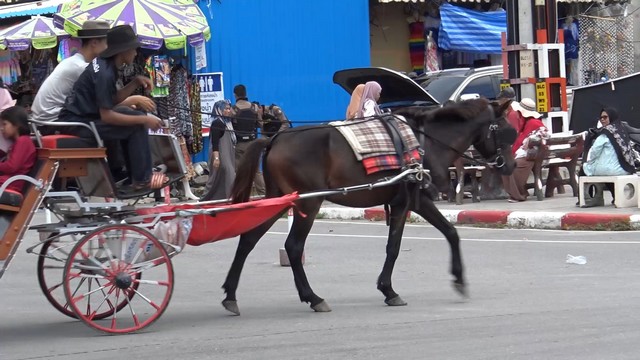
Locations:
column 554, row 153
column 459, row 171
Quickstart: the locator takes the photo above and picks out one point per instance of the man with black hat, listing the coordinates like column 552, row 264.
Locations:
column 95, row 98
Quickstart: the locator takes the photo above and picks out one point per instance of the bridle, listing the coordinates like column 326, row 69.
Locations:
column 506, row 136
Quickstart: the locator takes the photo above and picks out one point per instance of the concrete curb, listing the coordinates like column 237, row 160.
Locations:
column 504, row 218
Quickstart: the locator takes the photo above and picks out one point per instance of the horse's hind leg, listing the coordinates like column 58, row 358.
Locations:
column 295, row 247
column 247, row 242
column 431, row 213
column 398, row 217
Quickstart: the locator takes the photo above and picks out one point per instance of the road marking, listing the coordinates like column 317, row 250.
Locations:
column 333, row 235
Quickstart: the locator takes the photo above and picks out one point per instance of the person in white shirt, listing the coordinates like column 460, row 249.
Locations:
column 58, row 86
column 369, row 102
column 54, row 91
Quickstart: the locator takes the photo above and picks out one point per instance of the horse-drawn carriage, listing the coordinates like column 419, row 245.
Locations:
column 108, row 263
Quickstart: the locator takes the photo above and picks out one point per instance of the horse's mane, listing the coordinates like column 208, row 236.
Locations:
column 461, row 111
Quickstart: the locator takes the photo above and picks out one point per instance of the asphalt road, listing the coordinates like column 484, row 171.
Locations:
column 526, row 302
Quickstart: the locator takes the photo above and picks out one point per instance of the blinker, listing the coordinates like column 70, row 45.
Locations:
column 507, row 136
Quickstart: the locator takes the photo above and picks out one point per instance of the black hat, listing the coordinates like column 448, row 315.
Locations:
column 120, row 39
column 93, row 29
column 507, row 93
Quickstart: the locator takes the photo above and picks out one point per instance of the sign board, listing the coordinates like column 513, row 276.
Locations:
column 201, row 57
column 504, row 84
column 211, row 90
column 527, row 69
column 541, row 96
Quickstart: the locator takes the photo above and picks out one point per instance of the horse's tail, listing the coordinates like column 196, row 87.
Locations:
column 241, row 190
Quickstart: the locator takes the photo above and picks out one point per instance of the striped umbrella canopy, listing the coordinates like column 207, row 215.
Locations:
column 38, row 32
column 173, row 23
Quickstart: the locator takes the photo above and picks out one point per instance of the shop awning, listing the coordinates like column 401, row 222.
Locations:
column 30, row 9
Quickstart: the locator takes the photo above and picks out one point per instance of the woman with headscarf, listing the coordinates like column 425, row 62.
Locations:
column 369, row 102
column 530, row 126
column 356, row 96
column 222, row 161
column 608, row 149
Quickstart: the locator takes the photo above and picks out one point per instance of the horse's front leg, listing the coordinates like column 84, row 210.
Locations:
column 247, row 242
column 398, row 217
column 431, row 213
column 295, row 247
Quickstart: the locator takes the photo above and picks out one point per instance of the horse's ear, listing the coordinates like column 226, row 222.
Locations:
column 501, row 106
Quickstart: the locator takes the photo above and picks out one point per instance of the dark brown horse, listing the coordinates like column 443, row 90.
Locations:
column 312, row 158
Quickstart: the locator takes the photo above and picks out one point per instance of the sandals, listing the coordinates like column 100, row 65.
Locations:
column 157, row 182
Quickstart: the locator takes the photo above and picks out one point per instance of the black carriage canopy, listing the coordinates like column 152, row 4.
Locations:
column 620, row 93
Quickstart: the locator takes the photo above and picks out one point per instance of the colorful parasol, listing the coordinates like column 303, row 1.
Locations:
column 173, row 23
column 38, row 32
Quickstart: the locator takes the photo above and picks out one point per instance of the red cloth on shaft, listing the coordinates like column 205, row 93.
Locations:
column 233, row 220
column 20, row 160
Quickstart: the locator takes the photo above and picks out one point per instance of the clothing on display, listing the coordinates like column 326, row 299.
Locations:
column 10, row 70
column 179, row 105
column 196, row 117
column 416, row 45
column 68, row 47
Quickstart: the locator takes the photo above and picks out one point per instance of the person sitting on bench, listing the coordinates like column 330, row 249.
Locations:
column 607, row 150
column 22, row 154
column 95, row 97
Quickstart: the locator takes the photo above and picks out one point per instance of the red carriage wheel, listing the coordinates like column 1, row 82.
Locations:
column 51, row 260
column 116, row 256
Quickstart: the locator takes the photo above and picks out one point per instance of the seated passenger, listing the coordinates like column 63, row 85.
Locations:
column 6, row 101
column 608, row 149
column 531, row 126
column 95, row 98
column 369, row 102
column 356, row 97
column 22, row 154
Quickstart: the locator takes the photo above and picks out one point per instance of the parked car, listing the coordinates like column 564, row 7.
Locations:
column 462, row 83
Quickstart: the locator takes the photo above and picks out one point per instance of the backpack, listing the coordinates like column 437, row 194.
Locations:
column 272, row 119
column 245, row 123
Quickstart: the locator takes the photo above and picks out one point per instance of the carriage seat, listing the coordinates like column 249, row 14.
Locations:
column 66, row 142
column 11, row 198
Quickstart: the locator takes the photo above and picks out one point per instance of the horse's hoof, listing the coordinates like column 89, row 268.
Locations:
column 231, row 306
column 321, row 307
column 396, row 301
column 461, row 289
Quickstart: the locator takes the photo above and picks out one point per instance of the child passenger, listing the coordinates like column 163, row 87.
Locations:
column 22, row 154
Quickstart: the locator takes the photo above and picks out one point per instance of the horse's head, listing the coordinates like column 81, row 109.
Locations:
column 495, row 137
column 450, row 130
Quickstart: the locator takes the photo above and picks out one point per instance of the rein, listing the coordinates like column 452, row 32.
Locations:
column 496, row 161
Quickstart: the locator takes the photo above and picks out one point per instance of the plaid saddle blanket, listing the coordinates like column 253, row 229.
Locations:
column 373, row 146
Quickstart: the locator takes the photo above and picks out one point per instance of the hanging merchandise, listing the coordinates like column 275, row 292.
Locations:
column 179, row 105
column 68, row 48
column 158, row 69
column 42, row 65
column 9, row 67
column 194, row 98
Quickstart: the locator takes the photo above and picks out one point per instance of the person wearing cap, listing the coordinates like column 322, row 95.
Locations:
column 512, row 115
column 96, row 98
column 515, row 184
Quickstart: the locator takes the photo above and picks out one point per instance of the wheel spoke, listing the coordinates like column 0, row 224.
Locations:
column 106, row 297
column 115, row 316
column 75, row 299
column 133, row 313
column 146, row 299
column 151, row 282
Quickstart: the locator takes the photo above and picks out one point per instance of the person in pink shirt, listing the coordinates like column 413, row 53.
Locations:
column 22, row 154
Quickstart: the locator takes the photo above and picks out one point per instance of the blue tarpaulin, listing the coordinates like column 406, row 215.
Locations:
column 471, row 31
